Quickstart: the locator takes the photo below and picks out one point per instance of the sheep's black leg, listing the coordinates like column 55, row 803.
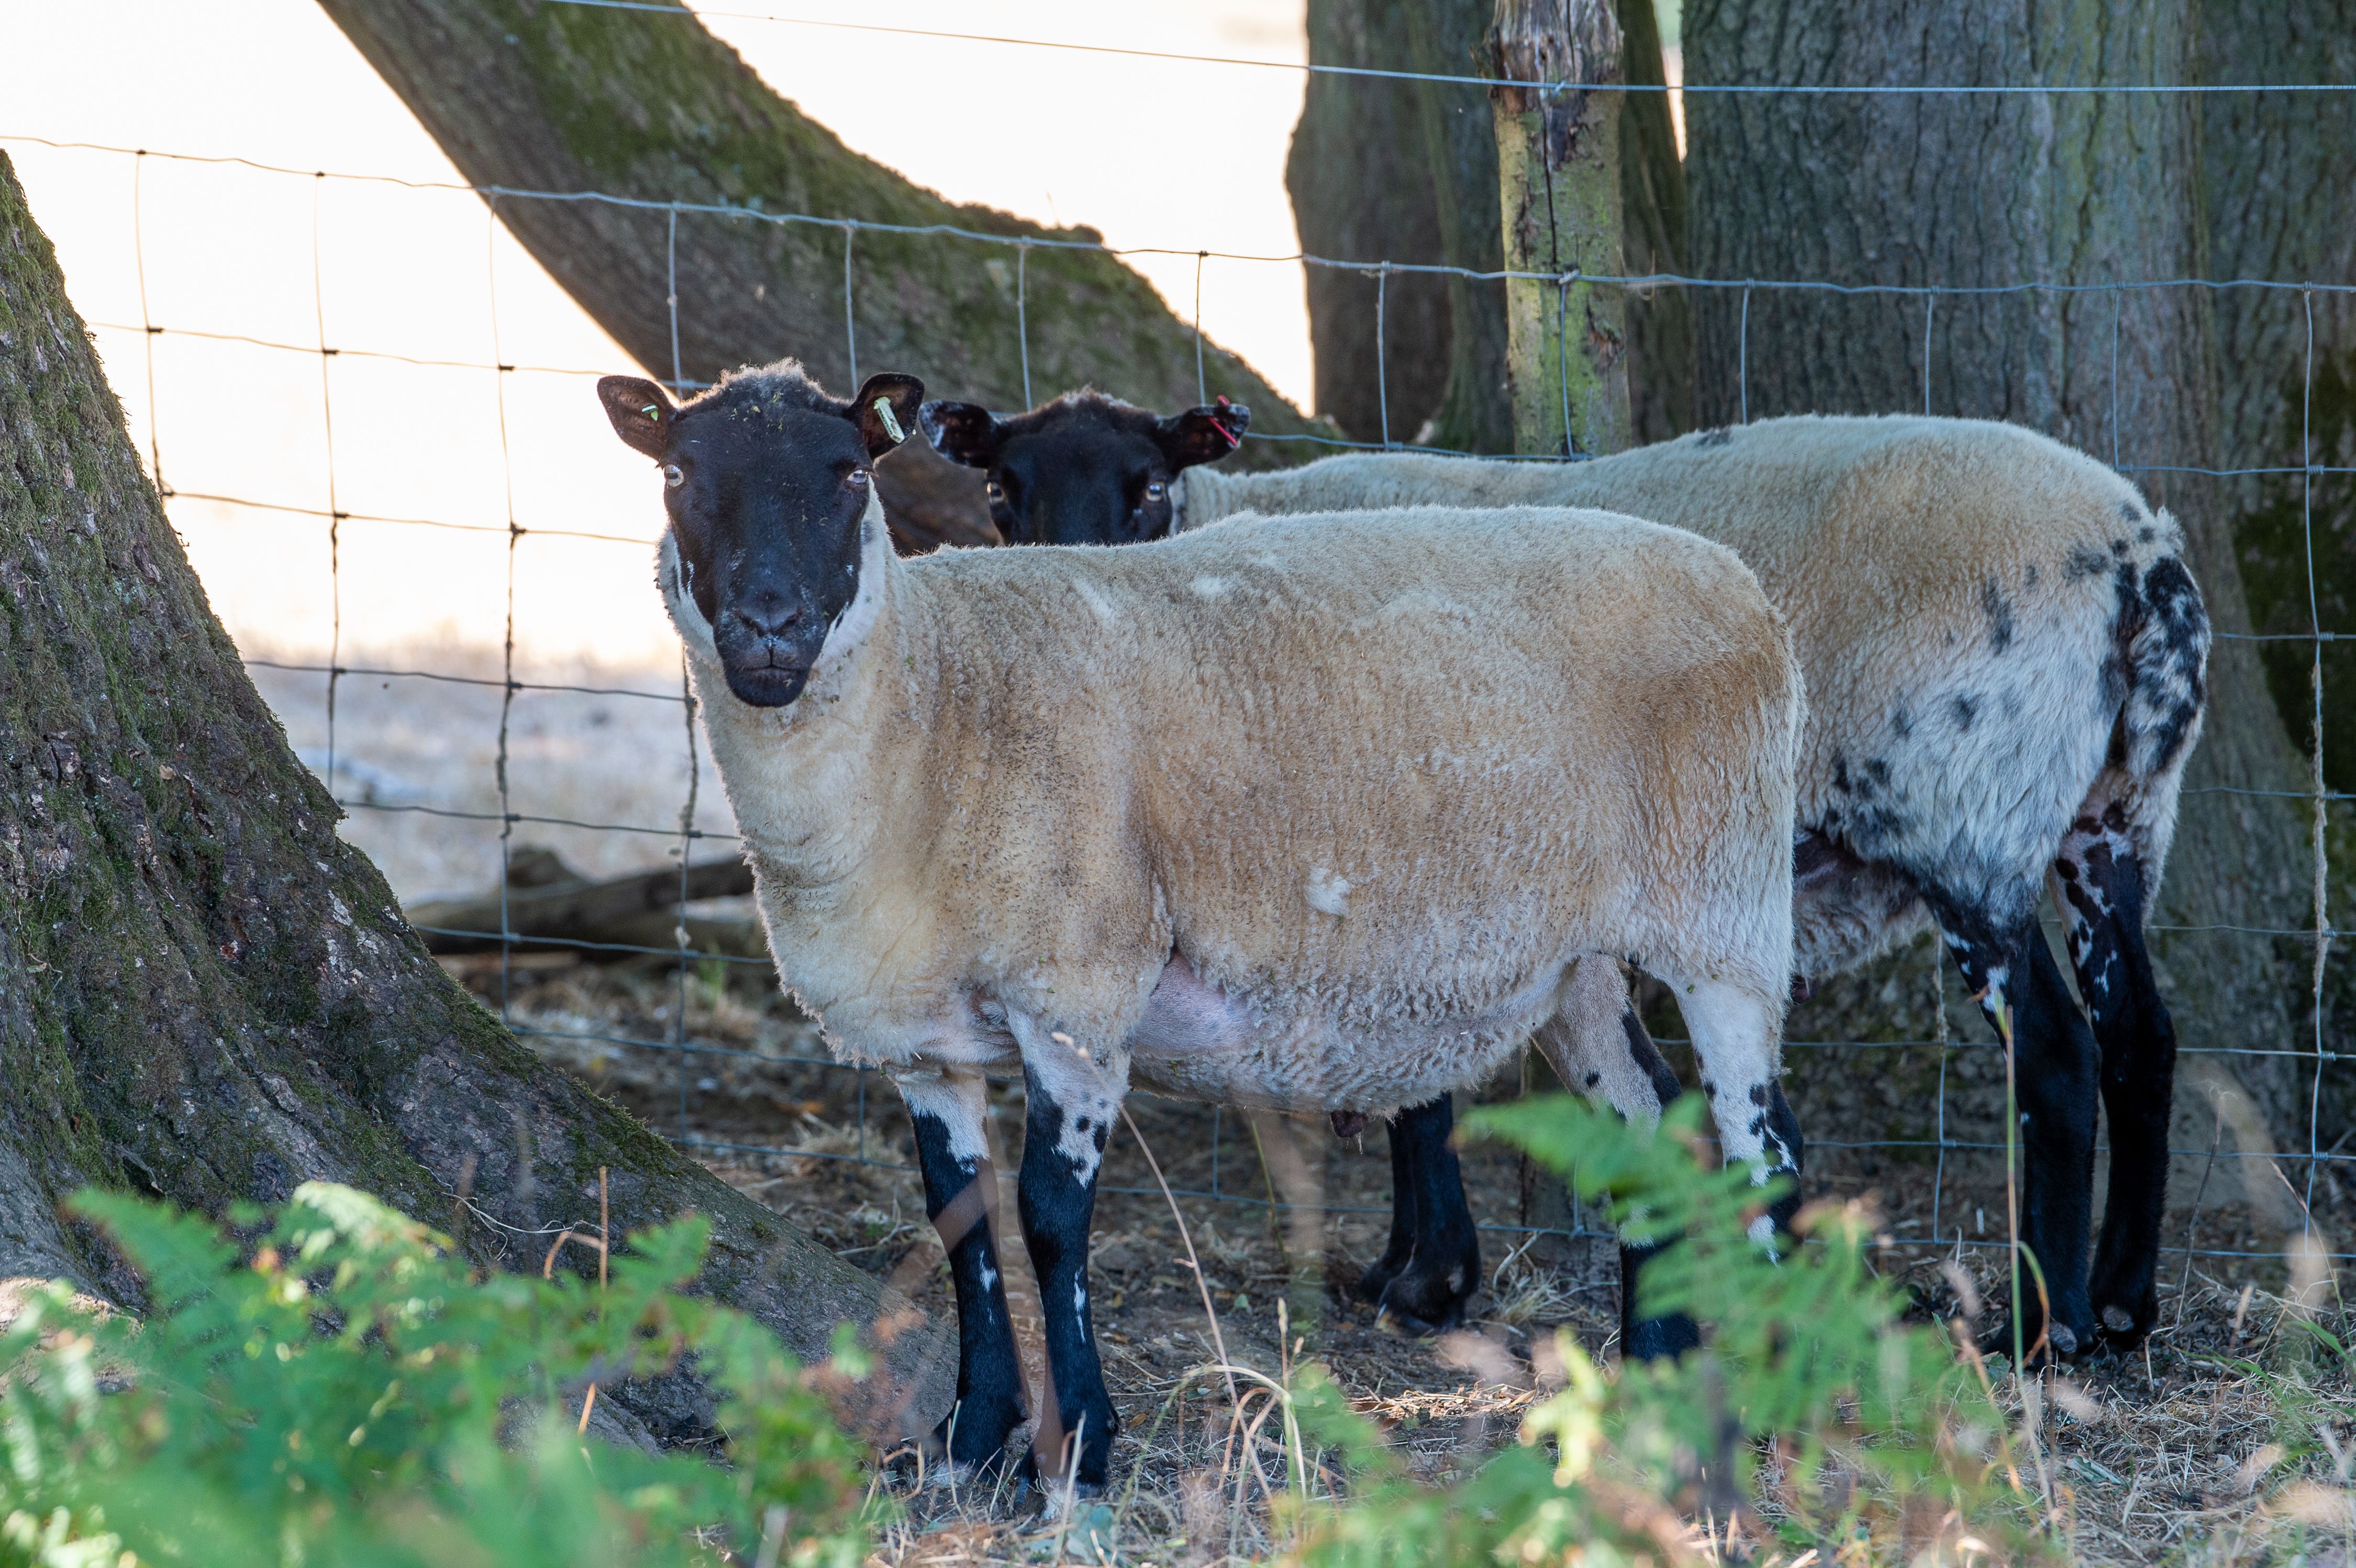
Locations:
column 2055, row 1073
column 1425, row 1292
column 961, row 1200
column 1069, row 1119
column 1404, row 1211
column 2098, row 882
column 1649, row 1338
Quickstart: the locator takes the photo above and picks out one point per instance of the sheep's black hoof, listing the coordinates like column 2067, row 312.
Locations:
column 1419, row 1302
column 1659, row 1338
column 1377, row 1278
column 2122, row 1322
column 2060, row 1344
column 970, row 1445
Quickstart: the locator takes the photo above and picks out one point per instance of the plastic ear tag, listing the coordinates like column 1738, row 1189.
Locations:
column 891, row 421
column 652, row 410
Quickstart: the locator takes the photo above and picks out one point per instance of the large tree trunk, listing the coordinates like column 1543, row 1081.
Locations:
column 651, row 107
column 2278, row 171
column 1407, row 171
column 204, row 994
column 1976, row 192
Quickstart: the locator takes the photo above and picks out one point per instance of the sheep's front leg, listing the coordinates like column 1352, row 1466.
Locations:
column 947, row 1109
column 1074, row 1094
column 1433, row 1264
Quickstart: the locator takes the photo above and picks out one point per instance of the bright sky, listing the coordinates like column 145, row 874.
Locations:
column 1056, row 136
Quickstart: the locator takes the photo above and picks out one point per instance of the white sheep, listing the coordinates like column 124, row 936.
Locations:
column 1327, row 813
column 2005, row 655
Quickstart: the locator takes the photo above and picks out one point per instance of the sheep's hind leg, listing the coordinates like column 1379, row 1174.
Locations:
column 947, row 1109
column 1072, row 1101
column 1734, row 1035
column 2098, row 884
column 1598, row 1043
column 1433, row 1264
column 2054, row 1076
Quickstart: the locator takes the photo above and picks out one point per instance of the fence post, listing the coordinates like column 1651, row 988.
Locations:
column 1559, row 189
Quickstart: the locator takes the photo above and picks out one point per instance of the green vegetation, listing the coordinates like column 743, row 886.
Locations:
column 1813, row 1414
column 342, row 1387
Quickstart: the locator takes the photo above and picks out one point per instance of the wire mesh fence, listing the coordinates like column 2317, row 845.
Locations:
column 686, row 836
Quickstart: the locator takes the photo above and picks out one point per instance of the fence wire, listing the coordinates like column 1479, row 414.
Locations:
column 680, row 1042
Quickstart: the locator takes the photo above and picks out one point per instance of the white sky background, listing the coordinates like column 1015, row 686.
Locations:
column 1151, row 152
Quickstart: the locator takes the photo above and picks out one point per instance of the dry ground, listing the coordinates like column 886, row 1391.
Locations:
column 2146, row 1458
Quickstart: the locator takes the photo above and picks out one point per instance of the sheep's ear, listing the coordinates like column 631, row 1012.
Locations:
column 964, row 432
column 641, row 412
column 1201, row 434
column 886, row 410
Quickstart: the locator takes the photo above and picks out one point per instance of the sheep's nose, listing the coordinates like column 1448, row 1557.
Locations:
column 769, row 614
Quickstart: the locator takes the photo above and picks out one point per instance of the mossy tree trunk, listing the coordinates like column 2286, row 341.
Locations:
column 204, row 994
column 653, row 107
column 1408, row 172
column 2279, row 181
column 1974, row 191
column 1558, row 183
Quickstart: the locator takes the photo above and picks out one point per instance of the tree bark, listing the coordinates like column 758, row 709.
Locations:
column 1365, row 187
column 1997, row 191
column 205, row 995
column 1558, row 170
column 654, row 108
column 2279, row 172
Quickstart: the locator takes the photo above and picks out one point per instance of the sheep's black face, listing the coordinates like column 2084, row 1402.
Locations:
column 1083, row 469
column 766, row 480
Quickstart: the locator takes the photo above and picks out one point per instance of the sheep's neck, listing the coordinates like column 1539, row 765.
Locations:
column 812, row 784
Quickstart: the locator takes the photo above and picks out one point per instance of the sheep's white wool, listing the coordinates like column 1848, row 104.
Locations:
column 1330, row 839
column 1956, row 591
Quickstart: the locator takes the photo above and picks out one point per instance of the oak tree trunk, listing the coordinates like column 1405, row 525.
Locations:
column 652, row 107
column 1983, row 191
column 2279, row 178
column 204, row 994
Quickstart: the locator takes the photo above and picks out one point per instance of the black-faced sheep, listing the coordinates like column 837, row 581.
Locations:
column 1327, row 812
column 2005, row 657
column 1083, row 469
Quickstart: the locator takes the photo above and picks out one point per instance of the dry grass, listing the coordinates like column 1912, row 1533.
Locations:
column 2133, row 1460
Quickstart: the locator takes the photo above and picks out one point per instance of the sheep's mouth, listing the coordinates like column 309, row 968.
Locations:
column 766, row 685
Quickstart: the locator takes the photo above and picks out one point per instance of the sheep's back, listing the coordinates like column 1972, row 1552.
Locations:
column 1414, row 757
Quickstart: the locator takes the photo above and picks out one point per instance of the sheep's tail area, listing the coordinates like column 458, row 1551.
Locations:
column 2161, row 639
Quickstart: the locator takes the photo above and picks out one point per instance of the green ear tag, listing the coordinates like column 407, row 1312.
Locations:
column 652, row 410
column 890, row 423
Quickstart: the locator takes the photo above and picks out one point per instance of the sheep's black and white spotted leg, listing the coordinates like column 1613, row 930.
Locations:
column 2098, row 885
column 2020, row 986
column 947, row 1110
column 1433, row 1264
column 1598, row 1045
column 1073, row 1099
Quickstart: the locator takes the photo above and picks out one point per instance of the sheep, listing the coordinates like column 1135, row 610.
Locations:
column 1083, row 469
column 2006, row 657
column 1328, row 813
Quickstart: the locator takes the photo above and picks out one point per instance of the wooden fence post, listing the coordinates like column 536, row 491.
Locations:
column 1558, row 197
column 1559, row 189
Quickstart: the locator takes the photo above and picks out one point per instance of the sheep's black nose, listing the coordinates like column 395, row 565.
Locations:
column 769, row 614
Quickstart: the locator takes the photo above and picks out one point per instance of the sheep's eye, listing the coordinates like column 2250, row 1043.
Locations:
column 672, row 477
column 1156, row 490
column 993, row 490
column 856, row 476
